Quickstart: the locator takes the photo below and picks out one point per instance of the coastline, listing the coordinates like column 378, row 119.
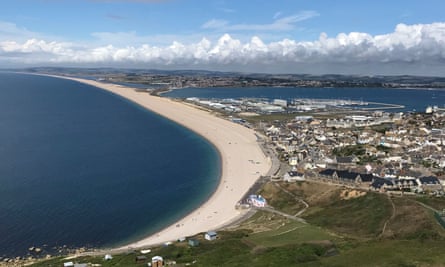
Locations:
column 242, row 162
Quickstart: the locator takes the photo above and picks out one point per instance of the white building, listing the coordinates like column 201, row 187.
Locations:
column 293, row 176
column 280, row 102
column 210, row 235
column 257, row 201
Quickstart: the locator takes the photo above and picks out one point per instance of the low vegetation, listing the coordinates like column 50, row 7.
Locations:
column 356, row 150
column 360, row 217
column 345, row 227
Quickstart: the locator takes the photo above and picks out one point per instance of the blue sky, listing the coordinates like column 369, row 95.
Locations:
column 309, row 36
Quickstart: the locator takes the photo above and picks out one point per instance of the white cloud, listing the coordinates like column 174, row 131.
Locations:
column 409, row 48
column 283, row 24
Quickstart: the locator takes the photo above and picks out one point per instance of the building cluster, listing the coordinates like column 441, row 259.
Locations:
column 266, row 106
column 260, row 106
column 381, row 151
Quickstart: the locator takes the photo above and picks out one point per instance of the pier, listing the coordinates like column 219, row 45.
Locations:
column 383, row 106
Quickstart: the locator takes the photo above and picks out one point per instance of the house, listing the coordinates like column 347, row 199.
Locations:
column 293, row 176
column 157, row 261
column 366, row 178
column 328, row 173
column 429, row 183
column 193, row 242
column 381, row 184
column 257, row 201
column 210, row 235
column 405, row 184
column 347, row 176
column 346, row 162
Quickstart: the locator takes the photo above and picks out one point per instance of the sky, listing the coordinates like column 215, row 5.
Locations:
column 281, row 36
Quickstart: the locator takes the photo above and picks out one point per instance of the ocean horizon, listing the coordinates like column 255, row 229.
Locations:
column 82, row 167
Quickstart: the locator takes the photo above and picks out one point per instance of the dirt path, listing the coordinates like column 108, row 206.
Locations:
column 297, row 198
column 390, row 218
column 292, row 217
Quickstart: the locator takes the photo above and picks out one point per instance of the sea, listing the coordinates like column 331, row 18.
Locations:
column 416, row 100
column 82, row 167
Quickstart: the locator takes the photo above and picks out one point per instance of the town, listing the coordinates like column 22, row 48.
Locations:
column 334, row 142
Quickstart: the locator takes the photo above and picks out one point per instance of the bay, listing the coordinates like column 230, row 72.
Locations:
column 80, row 166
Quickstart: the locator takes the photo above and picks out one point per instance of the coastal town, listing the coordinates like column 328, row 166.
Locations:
column 333, row 142
column 167, row 133
column 394, row 153
column 351, row 145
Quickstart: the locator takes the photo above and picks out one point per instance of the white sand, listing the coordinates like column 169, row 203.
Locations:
column 242, row 162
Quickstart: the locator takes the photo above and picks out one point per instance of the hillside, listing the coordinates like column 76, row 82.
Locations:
column 343, row 228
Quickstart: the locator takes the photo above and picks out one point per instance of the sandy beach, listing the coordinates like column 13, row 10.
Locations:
column 243, row 162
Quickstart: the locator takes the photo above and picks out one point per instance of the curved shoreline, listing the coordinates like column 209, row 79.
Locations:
column 242, row 162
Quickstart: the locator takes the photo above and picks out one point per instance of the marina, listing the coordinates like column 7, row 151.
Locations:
column 394, row 100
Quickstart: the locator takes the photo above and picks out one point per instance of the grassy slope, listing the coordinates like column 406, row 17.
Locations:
column 280, row 200
column 276, row 231
column 388, row 253
column 363, row 216
column 341, row 233
column 434, row 202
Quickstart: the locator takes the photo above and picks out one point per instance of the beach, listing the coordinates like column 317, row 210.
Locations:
column 243, row 162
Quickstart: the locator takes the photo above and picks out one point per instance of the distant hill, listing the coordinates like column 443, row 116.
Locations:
column 328, row 80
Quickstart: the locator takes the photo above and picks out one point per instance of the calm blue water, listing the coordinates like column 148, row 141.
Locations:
column 82, row 167
column 412, row 99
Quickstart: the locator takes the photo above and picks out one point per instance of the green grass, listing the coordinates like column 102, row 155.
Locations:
column 388, row 253
column 280, row 200
column 434, row 202
column 356, row 150
column 271, row 240
column 363, row 216
column 118, row 260
column 235, row 253
column 291, row 232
